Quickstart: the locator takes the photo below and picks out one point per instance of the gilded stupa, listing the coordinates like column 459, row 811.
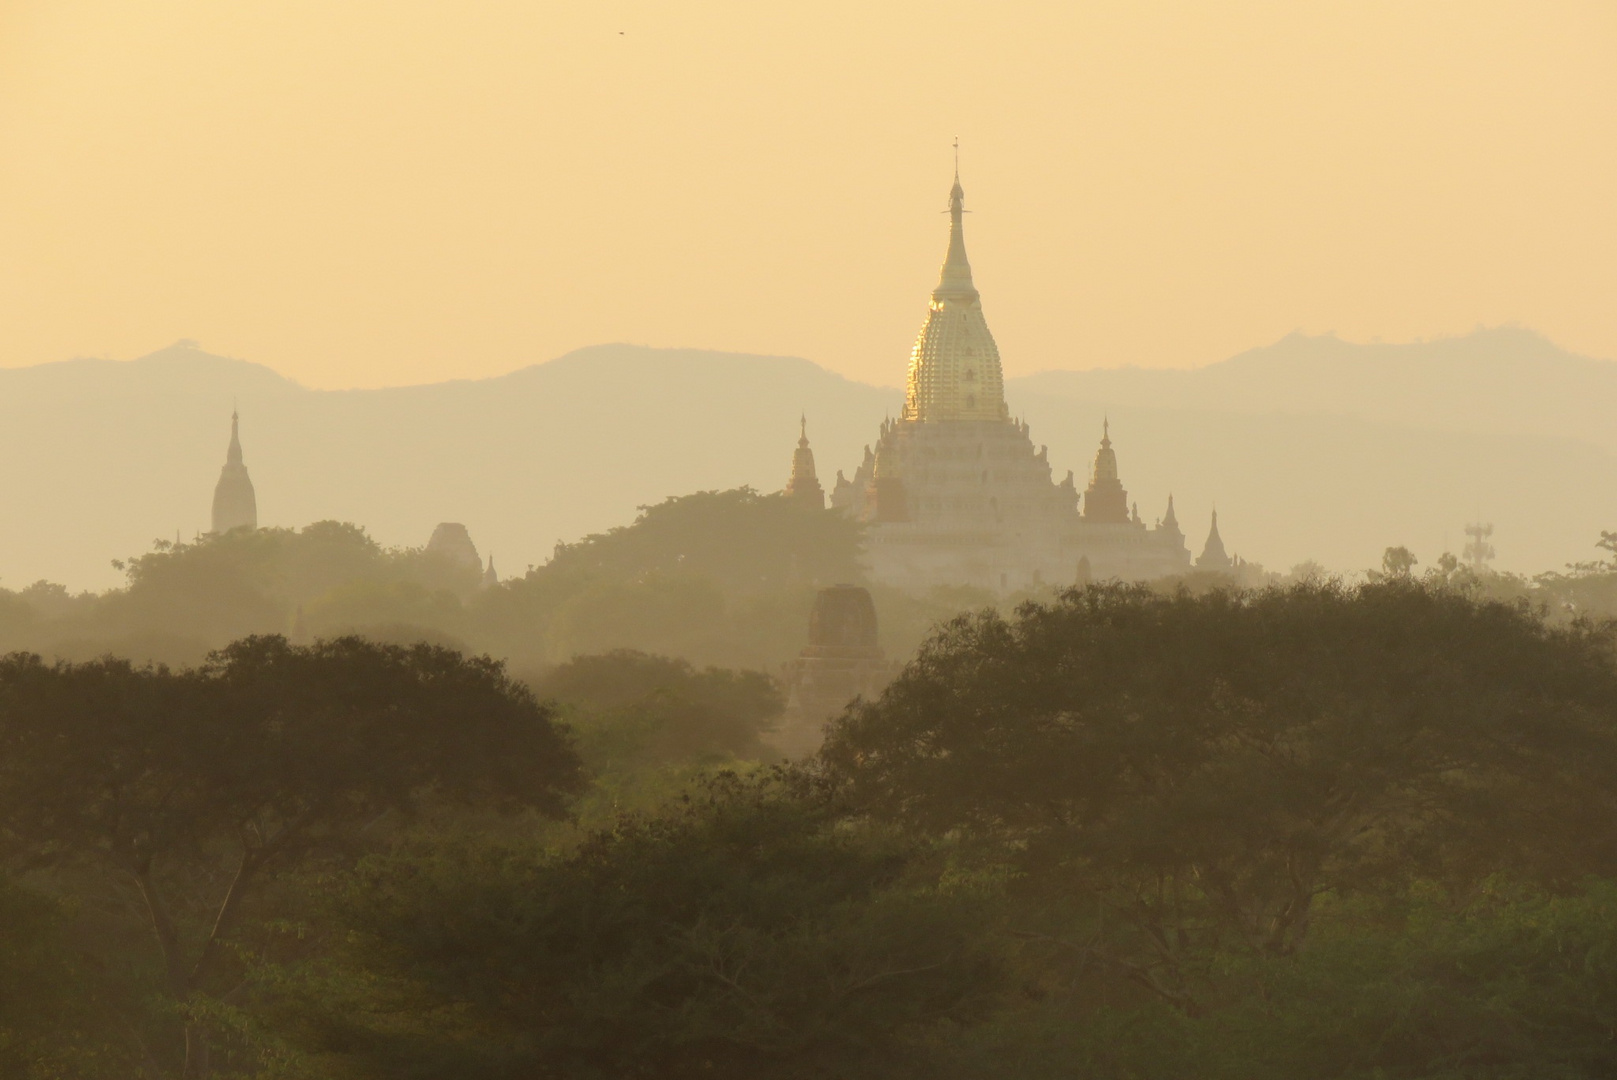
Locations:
column 954, row 491
column 954, row 368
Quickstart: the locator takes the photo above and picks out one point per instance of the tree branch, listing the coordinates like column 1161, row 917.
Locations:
column 229, row 912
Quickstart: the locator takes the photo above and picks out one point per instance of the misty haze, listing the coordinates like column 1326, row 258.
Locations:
column 734, row 541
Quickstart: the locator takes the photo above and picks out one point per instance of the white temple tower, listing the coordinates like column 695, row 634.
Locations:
column 235, row 506
column 954, row 492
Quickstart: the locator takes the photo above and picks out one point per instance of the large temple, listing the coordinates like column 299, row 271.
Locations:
column 954, row 491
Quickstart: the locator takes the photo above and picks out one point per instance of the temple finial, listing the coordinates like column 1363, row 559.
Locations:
column 955, row 283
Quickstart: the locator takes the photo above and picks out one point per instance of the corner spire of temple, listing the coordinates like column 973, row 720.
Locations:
column 1105, row 500
column 804, row 486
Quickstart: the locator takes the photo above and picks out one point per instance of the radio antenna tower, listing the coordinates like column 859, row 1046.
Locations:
column 1478, row 552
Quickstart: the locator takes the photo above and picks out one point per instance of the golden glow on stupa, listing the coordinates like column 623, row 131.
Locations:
column 954, row 492
column 954, row 369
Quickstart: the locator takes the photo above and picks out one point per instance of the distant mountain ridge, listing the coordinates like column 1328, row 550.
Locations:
column 1501, row 380
column 1310, row 447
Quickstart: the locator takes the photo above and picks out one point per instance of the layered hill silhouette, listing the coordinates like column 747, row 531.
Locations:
column 1310, row 448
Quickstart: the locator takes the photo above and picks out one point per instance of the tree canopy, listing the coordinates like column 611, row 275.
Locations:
column 746, row 932
column 1325, row 831
column 661, row 709
column 267, row 754
column 1180, row 773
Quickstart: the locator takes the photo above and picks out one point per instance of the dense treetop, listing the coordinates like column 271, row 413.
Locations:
column 1344, row 832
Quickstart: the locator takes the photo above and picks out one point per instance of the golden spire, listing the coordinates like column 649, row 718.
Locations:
column 955, row 371
column 955, row 282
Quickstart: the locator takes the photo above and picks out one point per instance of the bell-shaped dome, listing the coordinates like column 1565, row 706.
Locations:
column 452, row 541
column 955, row 371
column 843, row 623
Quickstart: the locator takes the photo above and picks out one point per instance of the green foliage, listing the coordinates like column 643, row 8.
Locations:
column 1178, row 777
column 183, row 600
column 748, row 932
column 194, row 786
column 717, row 577
column 56, row 1021
column 740, row 539
column 1513, row 984
column 656, row 612
column 640, row 709
column 1343, row 833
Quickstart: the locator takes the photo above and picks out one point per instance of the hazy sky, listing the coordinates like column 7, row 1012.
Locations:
column 364, row 193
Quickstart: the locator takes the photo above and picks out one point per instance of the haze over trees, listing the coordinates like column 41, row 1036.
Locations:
column 716, row 578
column 1320, row 830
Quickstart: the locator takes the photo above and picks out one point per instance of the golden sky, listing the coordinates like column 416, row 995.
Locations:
column 364, row 193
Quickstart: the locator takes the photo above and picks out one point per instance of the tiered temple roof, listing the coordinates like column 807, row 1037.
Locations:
column 955, row 492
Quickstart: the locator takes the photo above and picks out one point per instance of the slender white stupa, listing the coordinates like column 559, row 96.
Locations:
column 235, row 506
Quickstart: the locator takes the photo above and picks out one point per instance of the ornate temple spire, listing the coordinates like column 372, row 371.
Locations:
column 804, row 486
column 235, row 505
column 955, row 371
column 955, row 281
column 1105, row 501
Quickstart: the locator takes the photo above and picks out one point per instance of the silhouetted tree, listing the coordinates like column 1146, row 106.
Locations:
column 1174, row 774
column 268, row 754
column 749, row 932
column 740, row 538
column 1398, row 562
